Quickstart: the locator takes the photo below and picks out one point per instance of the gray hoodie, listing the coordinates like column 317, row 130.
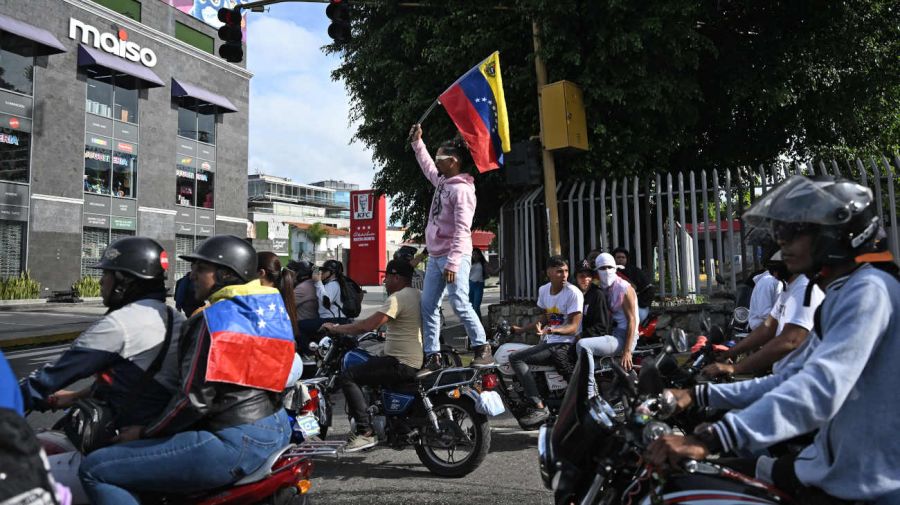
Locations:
column 842, row 382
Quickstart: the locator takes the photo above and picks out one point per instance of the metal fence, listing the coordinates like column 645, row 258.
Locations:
column 682, row 228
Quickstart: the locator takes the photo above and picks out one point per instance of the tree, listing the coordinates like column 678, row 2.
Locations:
column 316, row 232
column 668, row 84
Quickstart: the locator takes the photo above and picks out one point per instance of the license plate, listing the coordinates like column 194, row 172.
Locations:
column 307, row 425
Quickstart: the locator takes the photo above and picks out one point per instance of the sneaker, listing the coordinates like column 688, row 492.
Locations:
column 483, row 356
column 360, row 441
column 534, row 417
column 432, row 364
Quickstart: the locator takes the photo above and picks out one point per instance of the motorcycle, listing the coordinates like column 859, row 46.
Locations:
column 551, row 384
column 442, row 415
column 284, row 478
column 593, row 456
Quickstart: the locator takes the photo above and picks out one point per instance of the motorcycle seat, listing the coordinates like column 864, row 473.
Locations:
column 265, row 469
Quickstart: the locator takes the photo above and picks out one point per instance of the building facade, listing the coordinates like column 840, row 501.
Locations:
column 116, row 119
column 280, row 209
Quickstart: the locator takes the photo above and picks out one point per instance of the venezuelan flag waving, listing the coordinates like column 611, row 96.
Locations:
column 477, row 107
column 251, row 338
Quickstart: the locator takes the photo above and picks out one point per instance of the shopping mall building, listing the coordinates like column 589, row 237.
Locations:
column 116, row 119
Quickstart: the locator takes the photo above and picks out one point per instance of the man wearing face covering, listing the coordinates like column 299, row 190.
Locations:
column 623, row 307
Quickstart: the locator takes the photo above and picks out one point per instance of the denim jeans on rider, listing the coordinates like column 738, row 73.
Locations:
column 541, row 354
column 607, row 345
column 187, row 462
column 433, row 293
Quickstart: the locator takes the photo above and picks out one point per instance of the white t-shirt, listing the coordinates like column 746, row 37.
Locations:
column 765, row 293
column 558, row 307
column 476, row 274
column 789, row 306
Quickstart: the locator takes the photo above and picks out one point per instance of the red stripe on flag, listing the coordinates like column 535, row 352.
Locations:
column 246, row 360
column 472, row 128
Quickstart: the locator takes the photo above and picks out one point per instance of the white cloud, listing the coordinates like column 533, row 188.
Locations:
column 298, row 115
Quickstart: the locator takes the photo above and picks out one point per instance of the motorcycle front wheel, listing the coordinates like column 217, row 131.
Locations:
column 462, row 443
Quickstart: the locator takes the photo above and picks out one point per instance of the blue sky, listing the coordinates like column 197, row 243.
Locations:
column 299, row 126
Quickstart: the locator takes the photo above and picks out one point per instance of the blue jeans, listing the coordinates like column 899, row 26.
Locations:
column 433, row 293
column 476, row 294
column 187, row 462
column 607, row 345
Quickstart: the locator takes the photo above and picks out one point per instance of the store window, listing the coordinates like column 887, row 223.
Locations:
column 130, row 8
column 98, row 169
column 15, row 154
column 16, row 64
column 194, row 37
column 205, row 181
column 124, row 163
column 185, row 183
column 113, row 96
column 12, row 248
column 197, row 121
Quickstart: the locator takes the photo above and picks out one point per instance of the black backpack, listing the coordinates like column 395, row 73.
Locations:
column 351, row 296
column 25, row 471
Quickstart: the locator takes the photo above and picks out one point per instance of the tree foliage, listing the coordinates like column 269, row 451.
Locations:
column 668, row 84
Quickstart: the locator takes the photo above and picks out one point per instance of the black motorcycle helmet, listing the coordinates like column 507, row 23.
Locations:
column 333, row 266
column 302, row 268
column 839, row 212
column 229, row 252
column 140, row 257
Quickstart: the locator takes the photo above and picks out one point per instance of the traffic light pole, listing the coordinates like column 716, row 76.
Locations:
column 549, row 164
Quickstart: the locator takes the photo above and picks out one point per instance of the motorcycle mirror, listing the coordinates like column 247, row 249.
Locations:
column 650, row 381
column 716, row 335
column 678, row 340
column 741, row 315
column 313, row 347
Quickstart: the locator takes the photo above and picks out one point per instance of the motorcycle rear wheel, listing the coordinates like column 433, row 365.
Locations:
column 439, row 456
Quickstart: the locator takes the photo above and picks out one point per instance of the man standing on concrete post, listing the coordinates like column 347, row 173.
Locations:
column 448, row 238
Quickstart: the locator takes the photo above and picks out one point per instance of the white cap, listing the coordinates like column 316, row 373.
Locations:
column 606, row 260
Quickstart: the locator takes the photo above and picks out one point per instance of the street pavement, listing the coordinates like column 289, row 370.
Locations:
column 383, row 476
column 30, row 325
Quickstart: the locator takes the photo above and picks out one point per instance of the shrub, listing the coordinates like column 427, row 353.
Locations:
column 87, row 287
column 22, row 287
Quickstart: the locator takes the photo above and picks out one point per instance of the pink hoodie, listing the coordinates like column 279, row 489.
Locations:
column 449, row 231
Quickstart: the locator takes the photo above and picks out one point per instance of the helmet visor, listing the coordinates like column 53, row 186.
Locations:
column 798, row 200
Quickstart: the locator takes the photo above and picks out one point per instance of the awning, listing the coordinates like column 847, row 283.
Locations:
column 182, row 89
column 88, row 56
column 47, row 43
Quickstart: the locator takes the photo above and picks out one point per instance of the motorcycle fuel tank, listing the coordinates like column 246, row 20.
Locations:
column 501, row 356
column 353, row 358
column 696, row 489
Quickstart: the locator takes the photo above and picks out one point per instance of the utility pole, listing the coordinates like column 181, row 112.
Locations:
column 549, row 164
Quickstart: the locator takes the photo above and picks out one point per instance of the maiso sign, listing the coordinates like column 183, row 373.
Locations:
column 117, row 44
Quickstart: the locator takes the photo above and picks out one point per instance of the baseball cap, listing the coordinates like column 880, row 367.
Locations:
column 399, row 267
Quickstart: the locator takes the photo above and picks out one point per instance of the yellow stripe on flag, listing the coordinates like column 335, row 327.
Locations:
column 251, row 288
column 490, row 69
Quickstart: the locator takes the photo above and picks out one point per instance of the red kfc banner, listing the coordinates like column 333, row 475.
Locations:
column 368, row 238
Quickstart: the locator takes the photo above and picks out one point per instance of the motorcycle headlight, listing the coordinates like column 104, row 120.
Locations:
column 324, row 346
column 654, row 430
column 741, row 315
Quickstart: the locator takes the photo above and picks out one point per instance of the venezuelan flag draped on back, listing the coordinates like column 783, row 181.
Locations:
column 252, row 342
column 477, row 107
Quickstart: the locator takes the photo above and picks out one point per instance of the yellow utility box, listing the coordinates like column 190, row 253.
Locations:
column 565, row 126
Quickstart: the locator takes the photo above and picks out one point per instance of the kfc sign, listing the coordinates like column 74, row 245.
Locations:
column 363, row 203
column 116, row 44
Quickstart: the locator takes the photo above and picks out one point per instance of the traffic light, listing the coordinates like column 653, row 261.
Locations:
column 230, row 34
column 338, row 11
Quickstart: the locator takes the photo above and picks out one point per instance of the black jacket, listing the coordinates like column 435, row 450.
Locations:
column 202, row 405
column 596, row 319
column 642, row 286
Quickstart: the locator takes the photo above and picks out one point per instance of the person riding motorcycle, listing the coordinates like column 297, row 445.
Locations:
column 403, row 350
column 767, row 286
column 845, row 385
column 307, row 302
column 328, row 290
column 225, row 418
column 122, row 345
column 786, row 328
column 559, row 326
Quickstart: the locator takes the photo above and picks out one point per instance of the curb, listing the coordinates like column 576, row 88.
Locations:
column 16, row 343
